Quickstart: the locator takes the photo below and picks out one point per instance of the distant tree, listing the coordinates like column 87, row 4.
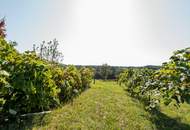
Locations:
column 2, row 28
column 49, row 51
column 105, row 70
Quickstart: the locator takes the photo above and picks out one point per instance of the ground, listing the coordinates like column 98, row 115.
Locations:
column 106, row 106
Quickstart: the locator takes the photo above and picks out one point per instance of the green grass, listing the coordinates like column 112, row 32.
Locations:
column 106, row 106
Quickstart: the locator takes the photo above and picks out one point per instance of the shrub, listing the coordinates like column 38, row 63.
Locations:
column 171, row 82
column 174, row 78
column 86, row 77
column 33, row 88
column 33, row 84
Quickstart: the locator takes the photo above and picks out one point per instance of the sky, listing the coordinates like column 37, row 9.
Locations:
column 93, row 32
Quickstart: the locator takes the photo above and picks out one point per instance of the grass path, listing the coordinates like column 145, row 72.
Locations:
column 105, row 106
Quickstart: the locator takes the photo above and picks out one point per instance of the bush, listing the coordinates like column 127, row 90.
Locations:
column 33, row 84
column 33, row 88
column 86, row 77
column 174, row 78
column 72, row 85
column 170, row 83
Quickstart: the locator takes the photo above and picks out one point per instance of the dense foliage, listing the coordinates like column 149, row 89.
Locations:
column 86, row 76
column 170, row 83
column 4, row 85
column 31, row 84
column 135, row 81
column 174, row 77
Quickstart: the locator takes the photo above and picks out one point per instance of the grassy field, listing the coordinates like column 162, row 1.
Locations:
column 105, row 106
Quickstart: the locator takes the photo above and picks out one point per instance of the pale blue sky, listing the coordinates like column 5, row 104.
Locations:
column 118, row 32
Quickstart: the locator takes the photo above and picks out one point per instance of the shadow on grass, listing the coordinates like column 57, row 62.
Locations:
column 29, row 122
column 164, row 122
column 23, row 123
column 161, row 120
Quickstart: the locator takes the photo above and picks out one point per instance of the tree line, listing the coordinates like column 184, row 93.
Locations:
column 108, row 72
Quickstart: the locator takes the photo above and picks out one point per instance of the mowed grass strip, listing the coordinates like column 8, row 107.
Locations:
column 105, row 106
